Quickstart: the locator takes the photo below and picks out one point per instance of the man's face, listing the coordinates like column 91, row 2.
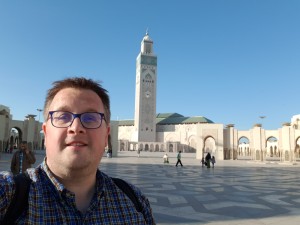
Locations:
column 75, row 147
column 23, row 146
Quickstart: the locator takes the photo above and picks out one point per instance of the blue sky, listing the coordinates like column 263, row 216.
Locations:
column 231, row 61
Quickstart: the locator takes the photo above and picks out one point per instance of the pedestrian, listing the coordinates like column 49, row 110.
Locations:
column 166, row 158
column 203, row 162
column 207, row 159
column 138, row 153
column 179, row 159
column 22, row 159
column 213, row 161
column 109, row 153
column 68, row 187
column 11, row 149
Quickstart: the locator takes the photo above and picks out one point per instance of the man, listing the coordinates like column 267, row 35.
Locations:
column 68, row 187
column 179, row 159
column 208, row 159
column 22, row 159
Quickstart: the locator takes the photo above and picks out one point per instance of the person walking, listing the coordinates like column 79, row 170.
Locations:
column 22, row 159
column 213, row 161
column 179, row 159
column 68, row 187
column 203, row 162
column 207, row 159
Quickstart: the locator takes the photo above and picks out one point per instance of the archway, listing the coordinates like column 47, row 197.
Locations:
column 141, row 148
column 209, row 146
column 14, row 139
column 243, row 151
column 192, row 144
column 272, row 153
column 171, row 148
column 131, row 147
column 162, row 149
column 122, row 146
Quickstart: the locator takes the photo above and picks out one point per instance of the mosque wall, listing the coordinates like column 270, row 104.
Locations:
column 198, row 138
column 126, row 133
column 27, row 130
column 114, row 137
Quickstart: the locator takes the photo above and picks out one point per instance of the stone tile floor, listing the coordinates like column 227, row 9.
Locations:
column 234, row 192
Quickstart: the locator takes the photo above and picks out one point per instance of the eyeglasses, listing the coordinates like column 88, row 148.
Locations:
column 89, row 120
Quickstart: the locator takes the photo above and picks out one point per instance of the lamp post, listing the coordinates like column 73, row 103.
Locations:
column 40, row 110
column 262, row 117
column 261, row 147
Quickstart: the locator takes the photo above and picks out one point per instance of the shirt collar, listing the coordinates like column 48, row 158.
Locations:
column 59, row 186
column 100, row 179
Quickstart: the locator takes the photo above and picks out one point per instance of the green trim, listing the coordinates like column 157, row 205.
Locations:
column 171, row 118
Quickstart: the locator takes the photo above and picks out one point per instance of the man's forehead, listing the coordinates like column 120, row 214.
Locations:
column 75, row 91
column 73, row 96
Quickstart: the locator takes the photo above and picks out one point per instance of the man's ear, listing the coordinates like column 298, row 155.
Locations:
column 44, row 128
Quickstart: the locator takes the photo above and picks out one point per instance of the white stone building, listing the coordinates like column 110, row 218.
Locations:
column 12, row 132
column 172, row 132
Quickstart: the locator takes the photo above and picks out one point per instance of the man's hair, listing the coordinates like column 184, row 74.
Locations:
column 78, row 83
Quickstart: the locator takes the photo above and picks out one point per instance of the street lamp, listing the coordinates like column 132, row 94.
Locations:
column 262, row 117
column 40, row 110
column 262, row 158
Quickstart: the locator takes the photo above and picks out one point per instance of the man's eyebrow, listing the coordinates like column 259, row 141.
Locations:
column 67, row 109
column 63, row 108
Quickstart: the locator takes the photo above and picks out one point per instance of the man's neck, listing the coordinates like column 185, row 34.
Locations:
column 83, row 187
column 82, row 183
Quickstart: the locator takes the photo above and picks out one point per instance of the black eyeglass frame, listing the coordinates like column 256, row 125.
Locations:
column 77, row 115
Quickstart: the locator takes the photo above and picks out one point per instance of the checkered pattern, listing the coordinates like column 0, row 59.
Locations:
column 51, row 203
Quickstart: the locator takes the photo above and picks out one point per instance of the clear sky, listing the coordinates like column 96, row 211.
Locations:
column 231, row 61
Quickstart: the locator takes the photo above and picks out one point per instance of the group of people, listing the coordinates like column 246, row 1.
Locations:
column 166, row 158
column 207, row 160
column 9, row 150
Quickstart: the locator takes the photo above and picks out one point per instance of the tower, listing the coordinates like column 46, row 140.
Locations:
column 145, row 94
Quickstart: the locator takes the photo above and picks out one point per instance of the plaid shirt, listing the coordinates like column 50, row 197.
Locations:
column 51, row 203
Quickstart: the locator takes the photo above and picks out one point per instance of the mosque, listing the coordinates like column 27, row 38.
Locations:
column 171, row 132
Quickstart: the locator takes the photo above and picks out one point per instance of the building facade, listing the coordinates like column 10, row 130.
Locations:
column 12, row 132
column 172, row 132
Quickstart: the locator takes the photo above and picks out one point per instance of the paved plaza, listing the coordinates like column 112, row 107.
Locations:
column 234, row 192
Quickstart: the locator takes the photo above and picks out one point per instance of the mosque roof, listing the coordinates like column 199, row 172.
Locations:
column 171, row 118
column 175, row 118
column 168, row 115
column 126, row 122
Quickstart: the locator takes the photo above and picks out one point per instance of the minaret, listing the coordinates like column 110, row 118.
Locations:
column 145, row 94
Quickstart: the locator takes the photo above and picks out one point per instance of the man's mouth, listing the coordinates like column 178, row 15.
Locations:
column 76, row 144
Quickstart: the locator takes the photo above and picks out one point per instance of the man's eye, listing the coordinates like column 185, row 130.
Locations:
column 89, row 118
column 64, row 117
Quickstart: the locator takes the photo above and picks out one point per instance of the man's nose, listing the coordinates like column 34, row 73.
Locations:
column 76, row 126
